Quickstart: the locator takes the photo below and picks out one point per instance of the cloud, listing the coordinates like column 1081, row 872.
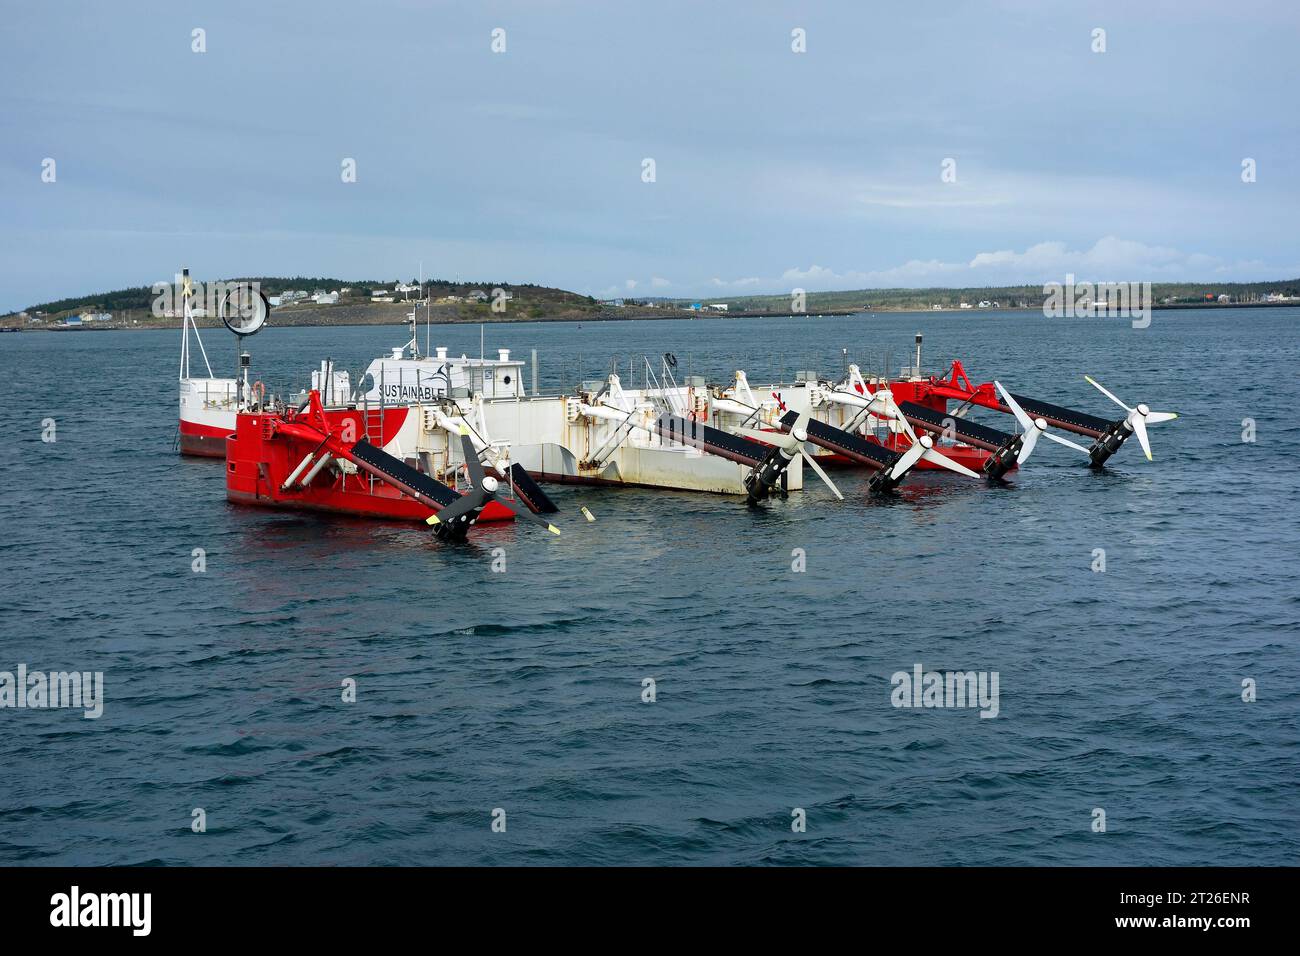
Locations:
column 820, row 275
column 1108, row 259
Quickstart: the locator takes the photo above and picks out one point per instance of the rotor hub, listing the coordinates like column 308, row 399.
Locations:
column 1143, row 410
column 1040, row 424
column 800, row 434
column 490, row 484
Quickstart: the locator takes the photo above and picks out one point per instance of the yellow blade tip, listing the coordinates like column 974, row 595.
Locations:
column 1149, row 458
column 432, row 519
column 552, row 529
column 464, row 429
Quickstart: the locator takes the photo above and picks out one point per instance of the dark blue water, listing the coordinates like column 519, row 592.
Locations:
column 522, row 690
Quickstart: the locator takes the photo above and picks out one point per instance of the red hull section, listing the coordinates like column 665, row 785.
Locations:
column 265, row 450
column 202, row 441
column 923, row 393
column 937, row 392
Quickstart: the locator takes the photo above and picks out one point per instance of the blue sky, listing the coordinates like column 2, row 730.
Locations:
column 773, row 169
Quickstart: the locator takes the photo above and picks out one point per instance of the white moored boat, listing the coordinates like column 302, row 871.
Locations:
column 207, row 404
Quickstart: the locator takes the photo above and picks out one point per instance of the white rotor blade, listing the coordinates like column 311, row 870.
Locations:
column 1027, row 443
column 896, row 414
column 1065, row 441
column 881, row 404
column 892, row 409
column 780, row 439
column 1101, row 388
column 940, row 459
column 1140, row 429
column 1155, row 418
column 910, row 458
column 755, row 434
column 1026, row 423
column 807, row 456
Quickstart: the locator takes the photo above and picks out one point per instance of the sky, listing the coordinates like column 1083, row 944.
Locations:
column 772, row 169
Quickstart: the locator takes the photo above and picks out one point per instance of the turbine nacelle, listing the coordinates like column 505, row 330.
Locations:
column 1031, row 429
column 788, row 446
column 921, row 449
column 453, row 522
column 1136, row 421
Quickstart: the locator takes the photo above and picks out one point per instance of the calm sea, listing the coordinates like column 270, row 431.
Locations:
column 522, row 691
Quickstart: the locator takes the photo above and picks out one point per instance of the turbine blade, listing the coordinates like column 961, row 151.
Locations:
column 904, row 464
column 475, row 466
column 1027, row 444
column 1026, row 423
column 1155, row 418
column 779, row 439
column 939, row 458
column 1101, row 388
column 1140, row 429
column 820, row 474
column 907, row 426
column 1065, row 441
column 461, row 506
column 528, row 515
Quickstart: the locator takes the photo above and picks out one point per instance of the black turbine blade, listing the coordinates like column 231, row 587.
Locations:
column 528, row 515
column 471, row 458
column 465, row 504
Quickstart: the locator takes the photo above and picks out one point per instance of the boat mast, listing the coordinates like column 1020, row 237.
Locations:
column 428, row 318
column 187, row 322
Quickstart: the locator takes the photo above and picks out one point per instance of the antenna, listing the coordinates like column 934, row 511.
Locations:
column 414, row 344
column 185, row 326
column 428, row 313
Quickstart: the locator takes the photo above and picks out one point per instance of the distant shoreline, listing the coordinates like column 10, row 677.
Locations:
column 313, row 317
